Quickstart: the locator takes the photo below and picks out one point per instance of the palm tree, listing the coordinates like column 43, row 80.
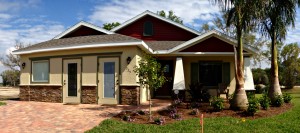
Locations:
column 240, row 15
column 276, row 16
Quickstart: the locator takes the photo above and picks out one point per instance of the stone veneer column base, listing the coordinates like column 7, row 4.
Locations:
column 89, row 94
column 130, row 95
column 41, row 93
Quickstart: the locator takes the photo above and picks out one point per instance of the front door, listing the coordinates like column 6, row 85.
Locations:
column 166, row 89
column 71, row 80
column 108, row 83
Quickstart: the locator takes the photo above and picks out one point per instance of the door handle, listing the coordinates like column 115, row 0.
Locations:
column 117, row 82
column 64, row 82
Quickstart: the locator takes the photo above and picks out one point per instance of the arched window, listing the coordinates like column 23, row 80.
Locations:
column 148, row 28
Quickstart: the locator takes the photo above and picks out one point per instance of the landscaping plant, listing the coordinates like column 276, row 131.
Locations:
column 253, row 106
column 151, row 75
column 194, row 112
column 287, row 97
column 127, row 118
column 277, row 101
column 159, row 120
column 265, row 101
column 198, row 92
column 217, row 103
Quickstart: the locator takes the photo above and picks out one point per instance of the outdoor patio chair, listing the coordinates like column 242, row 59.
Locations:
column 223, row 90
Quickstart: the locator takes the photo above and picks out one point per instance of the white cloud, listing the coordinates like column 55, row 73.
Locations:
column 4, row 16
column 119, row 11
column 293, row 34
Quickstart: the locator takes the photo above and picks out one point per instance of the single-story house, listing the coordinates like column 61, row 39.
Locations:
column 88, row 64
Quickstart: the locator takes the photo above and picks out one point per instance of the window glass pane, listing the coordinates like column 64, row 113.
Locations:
column 40, row 71
column 210, row 73
column 148, row 29
column 109, row 79
column 72, row 79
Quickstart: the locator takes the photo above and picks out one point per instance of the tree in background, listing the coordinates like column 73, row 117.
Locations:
column 11, row 77
column 12, row 61
column 276, row 16
column 151, row 75
column 170, row 16
column 109, row 26
column 290, row 64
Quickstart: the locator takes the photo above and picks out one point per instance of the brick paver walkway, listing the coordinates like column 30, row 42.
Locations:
column 36, row 117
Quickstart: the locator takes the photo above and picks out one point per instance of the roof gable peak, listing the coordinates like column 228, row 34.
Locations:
column 147, row 12
column 78, row 25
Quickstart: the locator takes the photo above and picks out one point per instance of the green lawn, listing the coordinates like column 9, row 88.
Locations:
column 2, row 103
column 287, row 122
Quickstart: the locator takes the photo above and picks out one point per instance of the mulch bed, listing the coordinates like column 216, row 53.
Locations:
column 184, row 110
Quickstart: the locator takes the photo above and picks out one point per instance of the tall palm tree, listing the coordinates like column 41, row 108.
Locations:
column 240, row 15
column 276, row 16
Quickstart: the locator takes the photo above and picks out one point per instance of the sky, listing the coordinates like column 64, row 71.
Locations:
column 34, row 21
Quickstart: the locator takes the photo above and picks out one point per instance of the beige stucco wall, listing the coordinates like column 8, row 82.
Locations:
column 89, row 70
column 89, row 64
column 55, row 71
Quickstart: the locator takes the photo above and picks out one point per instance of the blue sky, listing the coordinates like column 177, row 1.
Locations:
column 33, row 21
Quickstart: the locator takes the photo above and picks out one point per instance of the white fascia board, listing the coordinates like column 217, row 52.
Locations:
column 82, row 23
column 83, row 46
column 156, row 16
column 206, row 53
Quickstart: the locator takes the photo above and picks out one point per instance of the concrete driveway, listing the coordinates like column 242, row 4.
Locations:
column 26, row 116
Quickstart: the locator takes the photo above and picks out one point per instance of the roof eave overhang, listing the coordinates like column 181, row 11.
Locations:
column 140, row 44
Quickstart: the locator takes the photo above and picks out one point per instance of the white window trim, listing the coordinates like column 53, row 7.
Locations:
column 40, row 81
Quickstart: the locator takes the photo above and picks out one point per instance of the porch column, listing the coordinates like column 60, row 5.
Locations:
column 179, row 82
column 249, row 84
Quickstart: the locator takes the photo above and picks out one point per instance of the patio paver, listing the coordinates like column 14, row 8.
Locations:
column 24, row 116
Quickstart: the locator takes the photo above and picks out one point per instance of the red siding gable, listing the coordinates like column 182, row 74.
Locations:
column 83, row 31
column 212, row 44
column 162, row 30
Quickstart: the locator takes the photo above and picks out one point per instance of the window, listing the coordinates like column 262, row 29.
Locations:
column 40, row 71
column 210, row 73
column 148, row 28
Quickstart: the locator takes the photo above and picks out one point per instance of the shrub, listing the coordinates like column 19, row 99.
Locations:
column 160, row 121
column 174, row 114
column 217, row 103
column 253, row 106
column 199, row 93
column 194, row 112
column 141, row 112
column 277, row 101
column 127, row 118
column 265, row 101
column 287, row 97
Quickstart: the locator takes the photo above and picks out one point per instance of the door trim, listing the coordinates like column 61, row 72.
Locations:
column 62, row 77
column 118, row 58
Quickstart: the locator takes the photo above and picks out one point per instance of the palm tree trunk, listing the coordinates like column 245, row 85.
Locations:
column 239, row 101
column 274, row 85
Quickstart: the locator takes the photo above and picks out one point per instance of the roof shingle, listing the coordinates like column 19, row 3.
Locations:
column 79, row 41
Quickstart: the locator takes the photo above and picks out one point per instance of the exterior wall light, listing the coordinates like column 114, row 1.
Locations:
column 23, row 65
column 128, row 60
